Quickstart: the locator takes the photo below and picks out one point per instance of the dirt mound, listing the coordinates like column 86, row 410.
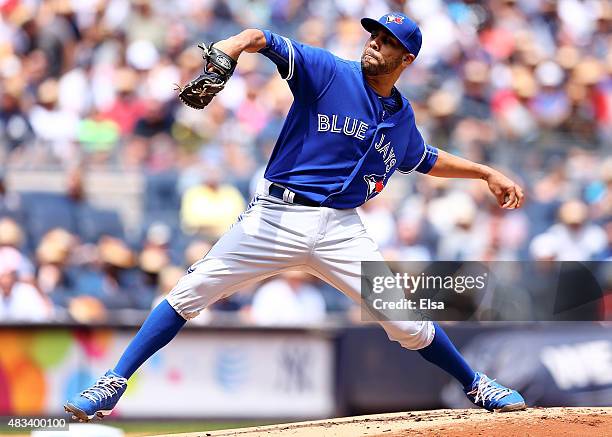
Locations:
column 579, row 422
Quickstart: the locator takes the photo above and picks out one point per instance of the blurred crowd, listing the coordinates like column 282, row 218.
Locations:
column 86, row 86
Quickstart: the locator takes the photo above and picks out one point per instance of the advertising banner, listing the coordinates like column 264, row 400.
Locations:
column 200, row 374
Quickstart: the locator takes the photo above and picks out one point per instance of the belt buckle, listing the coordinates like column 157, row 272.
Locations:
column 288, row 195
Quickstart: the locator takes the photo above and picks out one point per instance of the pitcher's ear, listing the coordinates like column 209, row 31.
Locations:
column 408, row 58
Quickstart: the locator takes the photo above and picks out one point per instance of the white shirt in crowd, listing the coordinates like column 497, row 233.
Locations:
column 277, row 303
column 579, row 245
column 23, row 303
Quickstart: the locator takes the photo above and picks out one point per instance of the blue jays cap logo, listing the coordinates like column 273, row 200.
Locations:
column 397, row 19
column 406, row 31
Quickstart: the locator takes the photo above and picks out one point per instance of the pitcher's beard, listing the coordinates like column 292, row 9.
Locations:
column 371, row 69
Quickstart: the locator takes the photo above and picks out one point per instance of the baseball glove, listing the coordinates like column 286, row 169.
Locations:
column 218, row 68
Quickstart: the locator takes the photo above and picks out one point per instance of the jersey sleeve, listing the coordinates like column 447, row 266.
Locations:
column 419, row 156
column 308, row 70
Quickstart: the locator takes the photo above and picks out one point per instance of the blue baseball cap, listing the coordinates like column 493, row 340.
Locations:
column 401, row 27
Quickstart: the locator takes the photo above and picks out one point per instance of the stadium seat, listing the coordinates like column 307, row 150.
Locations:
column 46, row 211
column 94, row 223
column 161, row 192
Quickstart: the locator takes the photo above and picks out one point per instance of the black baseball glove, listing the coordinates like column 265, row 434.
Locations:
column 218, row 68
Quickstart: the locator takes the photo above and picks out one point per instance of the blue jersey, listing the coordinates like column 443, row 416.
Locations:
column 337, row 146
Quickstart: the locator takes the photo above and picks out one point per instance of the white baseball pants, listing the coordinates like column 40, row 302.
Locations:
column 273, row 236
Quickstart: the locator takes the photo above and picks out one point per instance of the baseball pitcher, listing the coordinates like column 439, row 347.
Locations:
column 348, row 130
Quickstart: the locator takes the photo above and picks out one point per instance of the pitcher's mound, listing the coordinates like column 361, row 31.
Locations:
column 577, row 422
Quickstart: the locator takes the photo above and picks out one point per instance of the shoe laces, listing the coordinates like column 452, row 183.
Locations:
column 487, row 390
column 105, row 387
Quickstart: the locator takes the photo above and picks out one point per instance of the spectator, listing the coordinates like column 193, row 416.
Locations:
column 155, row 120
column 288, row 300
column 109, row 275
column 15, row 128
column 19, row 301
column 465, row 241
column 119, row 284
column 127, row 108
column 145, row 23
column 544, row 247
column 411, row 244
column 56, row 127
column 551, row 106
column 87, row 309
column 11, row 236
column 53, row 276
column 152, row 260
column 575, row 238
column 75, row 188
column 211, row 207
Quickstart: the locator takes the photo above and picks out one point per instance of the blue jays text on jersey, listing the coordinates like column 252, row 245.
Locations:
column 335, row 147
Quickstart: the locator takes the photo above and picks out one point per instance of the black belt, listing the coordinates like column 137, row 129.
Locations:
column 289, row 196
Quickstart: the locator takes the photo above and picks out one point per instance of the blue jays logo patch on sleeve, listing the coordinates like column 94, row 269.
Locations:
column 375, row 184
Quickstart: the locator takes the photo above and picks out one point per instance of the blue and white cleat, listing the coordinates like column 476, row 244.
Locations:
column 98, row 400
column 493, row 396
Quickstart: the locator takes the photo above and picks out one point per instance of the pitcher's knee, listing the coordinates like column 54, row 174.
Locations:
column 411, row 335
column 185, row 310
column 192, row 294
